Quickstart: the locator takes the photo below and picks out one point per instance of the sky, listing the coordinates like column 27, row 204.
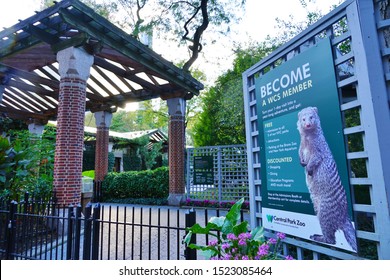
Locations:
column 258, row 22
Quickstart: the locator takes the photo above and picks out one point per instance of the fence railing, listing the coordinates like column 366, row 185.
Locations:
column 97, row 194
column 46, row 231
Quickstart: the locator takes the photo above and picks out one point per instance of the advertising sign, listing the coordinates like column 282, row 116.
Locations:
column 204, row 170
column 305, row 183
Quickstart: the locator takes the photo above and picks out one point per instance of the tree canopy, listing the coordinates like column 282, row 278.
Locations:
column 222, row 121
column 183, row 21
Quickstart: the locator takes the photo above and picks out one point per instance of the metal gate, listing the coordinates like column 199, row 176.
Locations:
column 226, row 179
column 359, row 34
column 38, row 230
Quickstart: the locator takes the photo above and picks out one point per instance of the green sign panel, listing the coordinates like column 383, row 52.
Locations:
column 204, row 170
column 305, row 183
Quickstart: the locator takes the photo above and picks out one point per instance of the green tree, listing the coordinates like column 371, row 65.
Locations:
column 7, row 124
column 123, row 121
column 139, row 148
column 288, row 28
column 36, row 152
column 222, row 121
column 13, row 168
column 183, row 21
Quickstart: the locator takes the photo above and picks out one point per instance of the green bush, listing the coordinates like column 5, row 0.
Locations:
column 132, row 163
column 136, row 184
column 111, row 161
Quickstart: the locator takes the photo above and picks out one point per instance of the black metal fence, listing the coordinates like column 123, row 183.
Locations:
column 39, row 230
column 97, row 194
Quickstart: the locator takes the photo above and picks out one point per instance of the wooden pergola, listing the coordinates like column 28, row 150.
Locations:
column 122, row 69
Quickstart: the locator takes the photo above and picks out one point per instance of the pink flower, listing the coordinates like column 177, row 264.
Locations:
column 213, row 242
column 225, row 246
column 272, row 241
column 281, row 235
column 231, row 236
column 242, row 242
column 227, row 257
column 288, row 257
column 244, row 235
column 245, row 258
column 263, row 250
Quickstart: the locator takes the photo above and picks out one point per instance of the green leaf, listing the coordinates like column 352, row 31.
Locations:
column 207, row 251
column 241, row 228
column 234, row 213
column 218, row 221
column 187, row 239
column 232, row 217
column 4, row 143
column 24, row 162
column 204, row 230
column 208, row 254
column 22, row 173
column 258, row 234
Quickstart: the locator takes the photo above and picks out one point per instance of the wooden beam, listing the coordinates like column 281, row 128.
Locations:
column 75, row 41
column 121, row 72
column 22, row 115
column 95, row 96
column 36, row 101
column 42, row 35
column 32, row 77
column 137, row 51
column 101, row 73
column 26, row 87
column 21, row 100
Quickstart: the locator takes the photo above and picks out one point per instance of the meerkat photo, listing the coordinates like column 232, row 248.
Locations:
column 323, row 181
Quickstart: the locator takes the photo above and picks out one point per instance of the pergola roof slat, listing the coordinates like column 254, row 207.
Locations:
column 124, row 69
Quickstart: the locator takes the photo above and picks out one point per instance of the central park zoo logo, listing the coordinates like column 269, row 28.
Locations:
column 296, row 222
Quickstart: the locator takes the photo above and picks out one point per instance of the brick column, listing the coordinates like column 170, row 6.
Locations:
column 103, row 122
column 74, row 69
column 176, row 150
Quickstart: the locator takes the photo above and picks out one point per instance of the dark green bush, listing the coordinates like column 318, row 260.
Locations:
column 136, row 184
column 132, row 163
column 111, row 161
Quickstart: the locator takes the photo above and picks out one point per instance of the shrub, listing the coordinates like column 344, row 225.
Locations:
column 131, row 163
column 111, row 161
column 27, row 164
column 136, row 184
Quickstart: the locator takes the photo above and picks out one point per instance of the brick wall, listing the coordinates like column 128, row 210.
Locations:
column 176, row 135
column 101, row 155
column 68, row 159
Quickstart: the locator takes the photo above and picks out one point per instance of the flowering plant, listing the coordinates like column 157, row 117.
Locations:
column 234, row 241
column 213, row 203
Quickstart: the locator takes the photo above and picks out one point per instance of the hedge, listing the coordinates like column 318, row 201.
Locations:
column 136, row 184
